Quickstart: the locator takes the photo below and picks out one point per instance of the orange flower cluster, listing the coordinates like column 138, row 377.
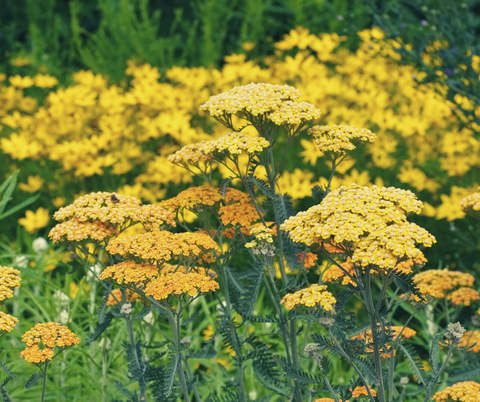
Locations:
column 466, row 391
column 130, row 272
column 50, row 335
column 312, row 296
column 9, row 279
column 162, row 246
column 178, row 284
column 7, row 322
column 309, row 260
column 112, row 301
column 74, row 230
column 470, row 338
column 238, row 214
column 116, row 210
column 370, row 223
column 442, row 280
column 193, row 199
column 463, row 296
column 338, row 140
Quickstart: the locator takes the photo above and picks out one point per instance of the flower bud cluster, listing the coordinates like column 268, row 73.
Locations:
column 263, row 243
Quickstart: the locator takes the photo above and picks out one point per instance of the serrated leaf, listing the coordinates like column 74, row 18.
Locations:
column 414, row 361
column 33, row 380
column 7, row 370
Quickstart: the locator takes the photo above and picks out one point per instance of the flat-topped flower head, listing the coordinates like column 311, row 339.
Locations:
column 294, row 114
column 370, row 224
column 9, row 279
column 263, row 243
column 313, row 296
column 163, row 246
column 471, row 204
column 466, row 391
column 74, row 230
column 50, row 334
column 130, row 272
column 252, row 99
column 358, row 391
column 178, row 284
column 443, row 280
column 193, row 199
column 7, row 323
column 463, row 296
column 244, row 214
column 192, row 155
column 335, row 141
column 116, row 210
column 234, row 144
column 33, row 354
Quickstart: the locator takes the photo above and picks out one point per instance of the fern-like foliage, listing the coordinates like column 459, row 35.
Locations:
column 7, row 370
column 4, row 395
column 158, row 377
column 326, row 344
column 33, row 380
column 131, row 397
column 101, row 327
column 405, row 283
column 298, row 376
column 136, row 366
column 228, row 395
column 248, row 299
column 464, row 372
column 263, row 186
column 414, row 361
column 266, row 368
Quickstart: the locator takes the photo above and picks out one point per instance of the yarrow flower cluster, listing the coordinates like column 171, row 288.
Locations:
column 162, row 246
column 466, row 391
column 442, row 280
column 370, row 224
column 178, row 284
column 127, row 272
column 263, row 243
column 251, row 99
column 307, row 258
column 239, row 214
column 312, row 296
column 9, row 279
column 294, row 113
column 74, row 230
column 49, row 335
column 471, row 204
column 7, row 322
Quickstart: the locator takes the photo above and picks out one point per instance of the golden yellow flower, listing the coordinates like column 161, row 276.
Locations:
column 312, row 296
column 7, row 322
column 34, row 183
column 130, row 272
column 193, row 199
column 34, row 354
column 45, row 81
column 471, row 338
column 238, row 214
column 292, row 113
column 463, row 296
column 466, row 391
column 21, row 82
column 162, row 246
column 35, row 220
column 50, row 334
column 471, row 204
column 441, row 280
column 9, row 279
column 178, row 284
column 74, row 230
column 362, row 391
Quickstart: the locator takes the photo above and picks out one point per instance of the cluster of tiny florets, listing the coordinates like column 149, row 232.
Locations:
column 443, row 280
column 463, row 296
column 9, row 279
column 130, row 272
column 314, row 295
column 252, row 98
column 162, row 246
column 308, row 259
column 7, row 322
column 466, row 391
column 190, row 155
column 370, row 222
column 74, row 230
column 239, row 214
column 471, row 204
column 263, row 243
column 234, row 144
column 116, row 210
column 180, row 283
column 294, row 113
column 50, row 334
column 336, row 141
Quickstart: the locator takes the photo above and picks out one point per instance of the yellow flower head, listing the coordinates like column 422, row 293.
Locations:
column 127, row 272
column 74, row 230
column 441, row 280
column 162, row 246
column 116, row 210
column 7, row 322
column 314, row 295
column 369, row 223
column 34, row 183
column 336, row 141
column 238, row 214
column 252, row 99
column 33, row 354
column 9, row 279
column 362, row 391
column 45, row 81
column 178, row 284
column 467, row 391
column 471, row 338
column 35, row 220
column 463, row 296
column 50, row 334
column 471, row 204
column 193, row 199
column 234, row 144
column 292, row 113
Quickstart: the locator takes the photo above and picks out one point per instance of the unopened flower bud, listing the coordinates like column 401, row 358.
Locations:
column 455, row 332
column 326, row 322
column 312, row 349
column 404, row 381
column 126, row 309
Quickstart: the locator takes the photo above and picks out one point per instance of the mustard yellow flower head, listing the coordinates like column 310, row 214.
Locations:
column 239, row 214
column 234, row 144
column 127, row 272
column 9, row 279
column 163, row 246
column 370, row 224
column 292, row 113
column 252, row 99
column 471, row 204
column 443, row 280
column 314, row 295
column 117, row 210
column 358, row 391
column 463, row 296
column 178, row 284
column 7, row 322
column 75, row 231
column 466, row 391
column 336, row 141
column 193, row 199
column 48, row 336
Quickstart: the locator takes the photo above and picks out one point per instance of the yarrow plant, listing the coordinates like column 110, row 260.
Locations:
column 248, row 250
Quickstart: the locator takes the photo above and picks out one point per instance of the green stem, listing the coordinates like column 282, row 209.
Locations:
column 376, row 347
column 44, row 382
column 190, row 375
column 437, row 376
column 325, row 378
